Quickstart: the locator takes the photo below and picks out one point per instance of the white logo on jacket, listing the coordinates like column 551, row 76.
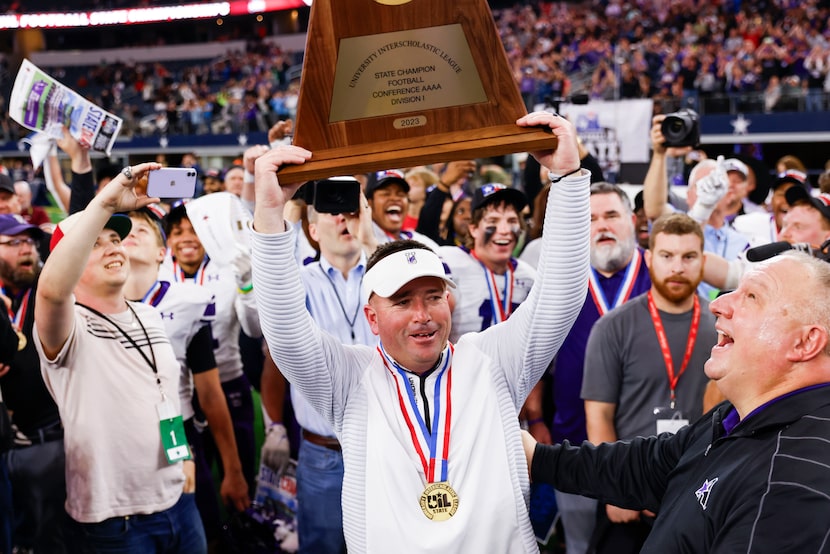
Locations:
column 703, row 492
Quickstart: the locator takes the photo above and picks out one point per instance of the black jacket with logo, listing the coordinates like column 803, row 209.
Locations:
column 765, row 487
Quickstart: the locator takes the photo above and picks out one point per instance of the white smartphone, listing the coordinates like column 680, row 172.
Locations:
column 172, row 182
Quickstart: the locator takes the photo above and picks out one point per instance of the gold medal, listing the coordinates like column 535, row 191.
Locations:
column 439, row 501
column 21, row 341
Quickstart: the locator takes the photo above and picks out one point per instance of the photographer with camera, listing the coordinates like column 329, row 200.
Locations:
column 715, row 188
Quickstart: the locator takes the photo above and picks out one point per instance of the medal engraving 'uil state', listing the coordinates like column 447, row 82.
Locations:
column 439, row 501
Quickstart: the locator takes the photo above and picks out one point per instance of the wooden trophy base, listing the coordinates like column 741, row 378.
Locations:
column 397, row 83
column 402, row 153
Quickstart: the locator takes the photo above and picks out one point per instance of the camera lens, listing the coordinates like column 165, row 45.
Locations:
column 681, row 129
column 674, row 128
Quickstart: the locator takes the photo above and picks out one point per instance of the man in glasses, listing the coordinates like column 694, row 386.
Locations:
column 36, row 461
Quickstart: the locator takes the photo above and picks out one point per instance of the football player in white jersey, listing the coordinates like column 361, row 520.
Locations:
column 188, row 262
column 490, row 282
column 187, row 312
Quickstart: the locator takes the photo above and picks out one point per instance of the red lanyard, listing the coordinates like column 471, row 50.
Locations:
column 664, row 342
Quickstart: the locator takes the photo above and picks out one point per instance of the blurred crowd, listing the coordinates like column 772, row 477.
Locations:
column 715, row 57
column 677, row 52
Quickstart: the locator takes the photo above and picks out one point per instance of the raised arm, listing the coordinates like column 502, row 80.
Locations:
column 543, row 321
column 453, row 176
column 296, row 344
column 656, row 183
column 82, row 186
column 53, row 175
column 271, row 195
column 67, row 262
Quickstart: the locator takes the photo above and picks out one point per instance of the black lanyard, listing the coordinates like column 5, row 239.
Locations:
column 152, row 363
column 351, row 321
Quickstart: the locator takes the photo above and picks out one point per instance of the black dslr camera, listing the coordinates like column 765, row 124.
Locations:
column 681, row 128
column 335, row 195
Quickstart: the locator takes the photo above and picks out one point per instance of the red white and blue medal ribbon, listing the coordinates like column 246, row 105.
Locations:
column 17, row 320
column 502, row 305
column 198, row 277
column 433, row 443
column 20, row 316
column 624, row 292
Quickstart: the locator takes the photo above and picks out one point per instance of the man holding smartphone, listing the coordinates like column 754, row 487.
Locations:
column 109, row 366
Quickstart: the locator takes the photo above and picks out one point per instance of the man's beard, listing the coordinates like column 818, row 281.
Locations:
column 611, row 258
column 675, row 294
column 18, row 277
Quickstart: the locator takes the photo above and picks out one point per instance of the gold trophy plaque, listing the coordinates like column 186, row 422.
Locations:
column 397, row 83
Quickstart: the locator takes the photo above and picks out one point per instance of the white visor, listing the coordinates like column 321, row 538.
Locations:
column 395, row 270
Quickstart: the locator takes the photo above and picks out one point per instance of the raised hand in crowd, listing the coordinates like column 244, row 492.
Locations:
column 455, row 174
column 271, row 195
column 658, row 140
column 359, row 225
column 241, row 263
column 710, row 190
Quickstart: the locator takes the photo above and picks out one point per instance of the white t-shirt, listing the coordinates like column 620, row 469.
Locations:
column 107, row 396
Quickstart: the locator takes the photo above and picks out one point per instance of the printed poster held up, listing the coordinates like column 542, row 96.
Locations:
column 42, row 104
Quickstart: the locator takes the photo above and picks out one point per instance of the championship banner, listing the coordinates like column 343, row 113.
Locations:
column 615, row 132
